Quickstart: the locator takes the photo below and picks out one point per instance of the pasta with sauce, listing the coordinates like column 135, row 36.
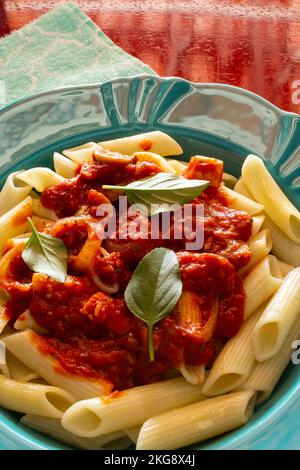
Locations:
column 78, row 362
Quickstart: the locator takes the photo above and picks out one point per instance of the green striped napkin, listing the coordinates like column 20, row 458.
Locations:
column 63, row 47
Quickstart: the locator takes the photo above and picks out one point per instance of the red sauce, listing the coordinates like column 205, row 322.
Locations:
column 92, row 333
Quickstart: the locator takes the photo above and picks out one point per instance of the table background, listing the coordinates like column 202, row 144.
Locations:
column 254, row 44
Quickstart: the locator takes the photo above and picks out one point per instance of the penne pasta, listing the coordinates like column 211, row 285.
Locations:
column 42, row 400
column 282, row 246
column 266, row 191
column 52, row 427
column 265, row 375
column 156, row 142
column 12, row 193
column 40, row 178
column 151, row 157
column 239, row 202
column 196, row 422
column 193, row 374
column 260, row 246
column 278, row 318
column 129, row 408
column 235, row 361
column 81, row 153
column 15, row 222
column 18, row 370
column 257, row 222
column 64, row 166
column 240, row 188
column 25, row 347
column 261, row 282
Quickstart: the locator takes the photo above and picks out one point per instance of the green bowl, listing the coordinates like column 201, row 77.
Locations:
column 211, row 119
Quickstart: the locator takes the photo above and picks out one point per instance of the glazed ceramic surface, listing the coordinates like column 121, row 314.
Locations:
column 210, row 119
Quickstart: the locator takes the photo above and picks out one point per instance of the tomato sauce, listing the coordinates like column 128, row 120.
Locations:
column 91, row 332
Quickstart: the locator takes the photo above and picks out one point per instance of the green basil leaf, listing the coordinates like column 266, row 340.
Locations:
column 154, row 289
column 162, row 189
column 46, row 254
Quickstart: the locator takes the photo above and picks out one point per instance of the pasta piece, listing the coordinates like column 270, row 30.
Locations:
column 151, row 157
column 278, row 318
column 64, row 166
column 282, row 246
column 40, row 178
column 260, row 246
column 241, row 203
column 266, row 191
column 285, row 268
column 18, row 370
column 15, row 222
column 264, row 279
column 82, row 153
column 25, row 346
column 41, row 211
column 235, row 361
column 265, row 375
column 98, row 416
column 52, row 427
column 240, row 188
column 156, row 142
column 196, row 422
column 193, row 374
column 12, row 193
column 257, row 222
column 42, row 400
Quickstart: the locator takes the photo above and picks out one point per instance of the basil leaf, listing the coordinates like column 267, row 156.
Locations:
column 154, row 289
column 163, row 188
column 46, row 254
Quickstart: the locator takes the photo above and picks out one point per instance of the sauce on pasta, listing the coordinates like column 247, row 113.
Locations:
column 91, row 332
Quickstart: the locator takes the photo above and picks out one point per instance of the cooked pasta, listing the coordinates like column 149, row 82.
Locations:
column 278, row 318
column 282, row 246
column 12, row 193
column 25, row 347
column 98, row 416
column 52, row 427
column 263, row 280
column 40, row 178
column 267, row 192
column 14, row 222
column 37, row 399
column 235, row 361
column 64, row 166
column 196, row 422
column 156, row 142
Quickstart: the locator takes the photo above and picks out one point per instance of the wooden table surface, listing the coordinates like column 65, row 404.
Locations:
column 254, row 44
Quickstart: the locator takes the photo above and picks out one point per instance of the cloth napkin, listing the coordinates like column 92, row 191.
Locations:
column 63, row 47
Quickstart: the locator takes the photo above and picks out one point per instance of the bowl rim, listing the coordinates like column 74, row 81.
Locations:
column 88, row 86
column 276, row 410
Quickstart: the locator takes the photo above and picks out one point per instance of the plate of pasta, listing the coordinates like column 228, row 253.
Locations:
column 149, row 268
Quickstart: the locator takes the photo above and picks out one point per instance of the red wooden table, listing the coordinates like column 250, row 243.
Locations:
column 254, row 44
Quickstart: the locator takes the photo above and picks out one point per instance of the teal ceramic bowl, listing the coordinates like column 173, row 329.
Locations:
column 210, row 119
